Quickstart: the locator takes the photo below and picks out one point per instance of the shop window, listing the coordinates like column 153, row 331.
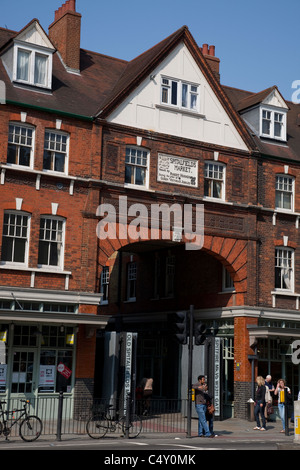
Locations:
column 56, row 359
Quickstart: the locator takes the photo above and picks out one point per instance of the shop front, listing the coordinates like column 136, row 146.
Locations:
column 39, row 351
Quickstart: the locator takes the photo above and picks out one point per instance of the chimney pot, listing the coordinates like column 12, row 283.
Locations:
column 211, row 51
column 205, row 49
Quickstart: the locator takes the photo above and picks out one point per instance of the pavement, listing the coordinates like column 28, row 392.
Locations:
column 231, row 430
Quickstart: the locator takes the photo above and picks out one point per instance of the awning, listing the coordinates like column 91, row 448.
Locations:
column 257, row 332
column 12, row 316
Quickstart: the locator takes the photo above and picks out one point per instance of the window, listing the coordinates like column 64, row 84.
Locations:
column 104, row 284
column 131, row 281
column 214, row 180
column 136, row 166
column 15, row 238
column 181, row 94
column 284, row 192
column 273, row 124
column 55, row 151
column 33, row 67
column 51, row 242
column 284, row 269
column 20, row 145
column 227, row 281
column 170, row 276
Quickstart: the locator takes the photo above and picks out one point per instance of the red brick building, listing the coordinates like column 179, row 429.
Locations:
column 83, row 134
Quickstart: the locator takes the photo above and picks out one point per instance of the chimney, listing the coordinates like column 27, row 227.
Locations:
column 64, row 33
column 213, row 62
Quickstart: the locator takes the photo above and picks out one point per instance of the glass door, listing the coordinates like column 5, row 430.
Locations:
column 23, row 382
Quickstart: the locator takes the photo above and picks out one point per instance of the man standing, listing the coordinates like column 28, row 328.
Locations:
column 200, row 404
column 268, row 407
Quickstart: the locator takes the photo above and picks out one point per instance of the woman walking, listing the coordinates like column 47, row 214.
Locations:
column 281, row 386
column 260, row 403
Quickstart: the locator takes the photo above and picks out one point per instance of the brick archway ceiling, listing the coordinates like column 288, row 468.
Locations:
column 231, row 252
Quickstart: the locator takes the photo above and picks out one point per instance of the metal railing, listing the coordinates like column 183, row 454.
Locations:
column 63, row 415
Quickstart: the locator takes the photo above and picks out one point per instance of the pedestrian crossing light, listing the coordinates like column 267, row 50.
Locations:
column 199, row 333
column 180, row 324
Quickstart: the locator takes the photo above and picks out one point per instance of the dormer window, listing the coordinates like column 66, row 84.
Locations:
column 273, row 124
column 28, row 58
column 32, row 67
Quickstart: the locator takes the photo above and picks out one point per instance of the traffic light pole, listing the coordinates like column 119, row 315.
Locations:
column 190, row 371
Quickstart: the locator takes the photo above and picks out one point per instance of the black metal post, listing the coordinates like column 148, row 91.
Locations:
column 190, row 371
column 286, row 414
column 59, row 416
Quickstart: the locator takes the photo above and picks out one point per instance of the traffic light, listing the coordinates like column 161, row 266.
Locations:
column 180, row 326
column 199, row 333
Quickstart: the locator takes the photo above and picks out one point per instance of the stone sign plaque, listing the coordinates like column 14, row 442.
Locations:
column 177, row 170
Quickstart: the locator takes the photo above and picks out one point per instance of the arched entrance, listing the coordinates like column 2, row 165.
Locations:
column 149, row 280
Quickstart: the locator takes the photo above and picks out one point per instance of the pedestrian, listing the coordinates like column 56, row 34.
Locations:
column 210, row 409
column 260, row 404
column 268, row 408
column 200, row 405
column 147, row 385
column 280, row 388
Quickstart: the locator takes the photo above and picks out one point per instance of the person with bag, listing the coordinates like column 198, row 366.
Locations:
column 269, row 399
column 260, row 403
column 281, row 386
column 210, row 410
column 200, row 405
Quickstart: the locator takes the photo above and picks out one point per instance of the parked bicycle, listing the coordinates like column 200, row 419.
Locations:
column 30, row 427
column 102, row 423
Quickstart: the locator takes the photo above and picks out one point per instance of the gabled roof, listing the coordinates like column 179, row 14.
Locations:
column 257, row 98
column 282, row 150
column 12, row 35
column 138, row 69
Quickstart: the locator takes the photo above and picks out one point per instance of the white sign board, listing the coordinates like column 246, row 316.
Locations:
column 177, row 170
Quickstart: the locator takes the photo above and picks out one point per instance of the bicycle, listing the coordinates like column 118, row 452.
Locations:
column 30, row 427
column 99, row 424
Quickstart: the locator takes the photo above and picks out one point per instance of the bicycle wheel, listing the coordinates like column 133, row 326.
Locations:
column 31, row 428
column 135, row 426
column 97, row 426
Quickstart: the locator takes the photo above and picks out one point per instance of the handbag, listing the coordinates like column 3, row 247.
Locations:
column 268, row 398
column 210, row 408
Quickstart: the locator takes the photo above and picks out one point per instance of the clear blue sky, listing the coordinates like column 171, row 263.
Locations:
column 257, row 41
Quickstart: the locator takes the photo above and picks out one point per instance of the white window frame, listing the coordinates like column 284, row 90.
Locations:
column 215, row 179
column 273, row 114
column 57, row 147
column 288, row 187
column 104, row 285
column 33, row 52
column 129, row 161
column 15, row 236
column 284, row 261
column 21, row 143
column 171, row 87
column 60, row 265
